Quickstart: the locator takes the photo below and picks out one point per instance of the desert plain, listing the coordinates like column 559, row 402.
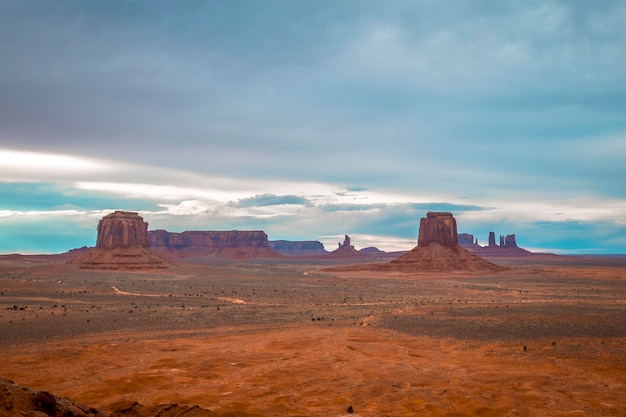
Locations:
column 544, row 337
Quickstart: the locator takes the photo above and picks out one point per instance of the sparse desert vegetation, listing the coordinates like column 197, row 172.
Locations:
column 544, row 337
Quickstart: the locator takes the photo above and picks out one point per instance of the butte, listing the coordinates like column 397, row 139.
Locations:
column 122, row 244
column 438, row 249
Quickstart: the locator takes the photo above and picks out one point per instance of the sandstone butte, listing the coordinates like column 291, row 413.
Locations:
column 437, row 249
column 122, row 244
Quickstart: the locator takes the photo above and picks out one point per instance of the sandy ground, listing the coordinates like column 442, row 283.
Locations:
column 546, row 338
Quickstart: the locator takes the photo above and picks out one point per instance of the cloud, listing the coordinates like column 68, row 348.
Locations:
column 356, row 188
column 271, row 200
column 27, row 197
column 501, row 112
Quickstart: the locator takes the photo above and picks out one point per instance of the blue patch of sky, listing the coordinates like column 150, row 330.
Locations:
column 27, row 196
column 56, row 235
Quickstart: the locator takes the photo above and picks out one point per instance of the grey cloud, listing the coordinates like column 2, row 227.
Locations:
column 271, row 200
column 443, row 98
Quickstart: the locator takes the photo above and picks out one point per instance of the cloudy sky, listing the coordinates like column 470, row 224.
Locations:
column 313, row 119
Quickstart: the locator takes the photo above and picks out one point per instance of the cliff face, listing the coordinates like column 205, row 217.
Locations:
column 209, row 239
column 122, row 229
column 227, row 244
column 122, row 243
column 439, row 227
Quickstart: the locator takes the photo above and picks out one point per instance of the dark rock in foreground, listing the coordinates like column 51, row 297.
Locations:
column 16, row 401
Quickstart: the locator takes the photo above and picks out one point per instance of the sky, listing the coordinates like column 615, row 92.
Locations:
column 314, row 119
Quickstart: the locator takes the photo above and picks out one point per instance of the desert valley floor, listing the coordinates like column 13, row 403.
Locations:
column 546, row 337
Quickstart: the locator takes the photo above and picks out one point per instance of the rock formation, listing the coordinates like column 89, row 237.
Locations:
column 298, row 248
column 468, row 241
column 224, row 244
column 438, row 250
column 509, row 241
column 345, row 249
column 122, row 243
column 465, row 239
column 122, row 229
column 17, row 401
column 507, row 247
column 439, row 227
column 371, row 250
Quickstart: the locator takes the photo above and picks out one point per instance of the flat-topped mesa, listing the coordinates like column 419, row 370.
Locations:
column 232, row 244
column 298, row 248
column 439, row 227
column 465, row 239
column 208, row 239
column 122, row 229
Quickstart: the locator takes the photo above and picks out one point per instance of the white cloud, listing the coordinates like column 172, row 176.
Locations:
column 20, row 165
column 41, row 214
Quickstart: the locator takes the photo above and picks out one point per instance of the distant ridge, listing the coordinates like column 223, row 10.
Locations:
column 232, row 244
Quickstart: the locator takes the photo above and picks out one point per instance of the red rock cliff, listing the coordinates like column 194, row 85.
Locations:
column 122, row 243
column 122, row 229
column 439, row 227
column 231, row 244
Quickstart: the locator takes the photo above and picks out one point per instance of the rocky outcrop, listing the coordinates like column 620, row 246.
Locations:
column 509, row 241
column 371, row 250
column 298, row 248
column 16, row 401
column 438, row 250
column 468, row 241
column 224, row 244
column 122, row 243
column 438, row 227
column 465, row 239
column 345, row 249
column 507, row 247
column 122, row 229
